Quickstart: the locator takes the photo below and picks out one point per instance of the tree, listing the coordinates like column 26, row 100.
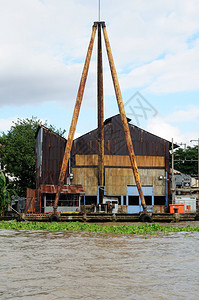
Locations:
column 59, row 131
column 17, row 153
column 186, row 160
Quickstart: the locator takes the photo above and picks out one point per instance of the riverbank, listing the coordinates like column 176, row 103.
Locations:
column 133, row 229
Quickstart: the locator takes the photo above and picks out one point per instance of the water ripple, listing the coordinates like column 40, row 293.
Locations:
column 61, row 265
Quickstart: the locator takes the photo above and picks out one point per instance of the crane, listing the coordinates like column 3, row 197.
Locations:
column 100, row 27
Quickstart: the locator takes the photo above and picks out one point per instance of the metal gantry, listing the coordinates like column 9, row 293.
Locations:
column 100, row 26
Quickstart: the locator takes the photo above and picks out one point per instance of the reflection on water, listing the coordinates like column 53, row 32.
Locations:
column 46, row 265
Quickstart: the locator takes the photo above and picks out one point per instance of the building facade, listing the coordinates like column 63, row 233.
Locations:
column 81, row 181
column 152, row 155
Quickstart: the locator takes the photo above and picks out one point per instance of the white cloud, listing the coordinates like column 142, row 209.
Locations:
column 36, row 77
column 42, row 49
column 174, row 73
column 190, row 113
column 77, row 134
column 177, row 73
column 5, row 124
column 154, row 46
column 149, row 30
column 43, row 46
column 163, row 129
column 169, row 127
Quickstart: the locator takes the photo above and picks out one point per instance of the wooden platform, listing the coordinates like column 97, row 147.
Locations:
column 101, row 217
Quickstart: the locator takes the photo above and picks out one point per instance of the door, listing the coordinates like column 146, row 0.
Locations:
column 134, row 202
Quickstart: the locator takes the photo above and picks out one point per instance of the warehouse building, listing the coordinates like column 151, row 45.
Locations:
column 81, row 182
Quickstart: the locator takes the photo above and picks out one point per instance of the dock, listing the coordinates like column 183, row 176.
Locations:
column 108, row 217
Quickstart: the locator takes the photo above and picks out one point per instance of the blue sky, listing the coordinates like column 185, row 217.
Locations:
column 155, row 46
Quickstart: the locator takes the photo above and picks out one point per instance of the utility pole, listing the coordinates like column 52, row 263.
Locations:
column 181, row 144
column 198, row 157
column 172, row 166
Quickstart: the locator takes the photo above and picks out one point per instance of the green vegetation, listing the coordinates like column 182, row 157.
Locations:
column 186, row 160
column 17, row 152
column 96, row 228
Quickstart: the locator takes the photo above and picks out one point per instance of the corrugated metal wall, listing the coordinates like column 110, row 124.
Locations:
column 144, row 143
column 152, row 156
column 49, row 155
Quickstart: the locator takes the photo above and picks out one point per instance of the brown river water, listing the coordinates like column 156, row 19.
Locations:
column 61, row 265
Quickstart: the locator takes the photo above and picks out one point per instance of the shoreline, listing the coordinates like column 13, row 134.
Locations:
column 118, row 228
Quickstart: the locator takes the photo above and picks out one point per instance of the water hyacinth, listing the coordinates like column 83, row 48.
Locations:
column 97, row 228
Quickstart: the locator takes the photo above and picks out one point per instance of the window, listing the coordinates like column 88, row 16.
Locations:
column 124, row 200
column 159, row 200
column 133, row 200
column 119, row 200
column 89, row 200
column 82, row 200
column 50, row 199
column 148, row 200
column 114, row 197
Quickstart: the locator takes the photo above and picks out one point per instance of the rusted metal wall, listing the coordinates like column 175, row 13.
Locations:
column 152, row 157
column 30, row 201
column 66, row 189
column 120, row 161
column 117, row 180
column 88, row 177
column 49, row 155
column 144, row 143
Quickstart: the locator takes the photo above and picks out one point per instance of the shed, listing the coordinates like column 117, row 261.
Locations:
column 49, row 155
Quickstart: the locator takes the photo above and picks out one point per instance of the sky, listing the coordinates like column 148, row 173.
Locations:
column 155, row 46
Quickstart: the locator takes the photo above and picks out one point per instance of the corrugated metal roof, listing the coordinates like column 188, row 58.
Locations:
column 49, row 130
column 66, row 189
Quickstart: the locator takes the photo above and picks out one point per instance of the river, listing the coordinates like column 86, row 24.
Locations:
column 60, row 265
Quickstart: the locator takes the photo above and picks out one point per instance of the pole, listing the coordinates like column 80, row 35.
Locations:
column 100, row 101
column 172, row 166
column 69, row 167
column 99, row 10
column 198, row 163
column 74, row 119
column 124, row 119
column 198, row 158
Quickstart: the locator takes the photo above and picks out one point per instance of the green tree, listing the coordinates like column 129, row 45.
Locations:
column 59, row 131
column 186, row 160
column 17, row 152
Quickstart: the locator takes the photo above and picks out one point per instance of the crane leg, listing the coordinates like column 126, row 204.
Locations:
column 74, row 119
column 124, row 119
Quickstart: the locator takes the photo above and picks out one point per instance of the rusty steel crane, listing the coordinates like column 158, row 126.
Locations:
column 100, row 26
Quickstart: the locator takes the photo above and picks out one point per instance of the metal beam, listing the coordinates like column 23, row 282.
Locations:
column 124, row 119
column 74, row 118
column 100, row 100
column 186, row 190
